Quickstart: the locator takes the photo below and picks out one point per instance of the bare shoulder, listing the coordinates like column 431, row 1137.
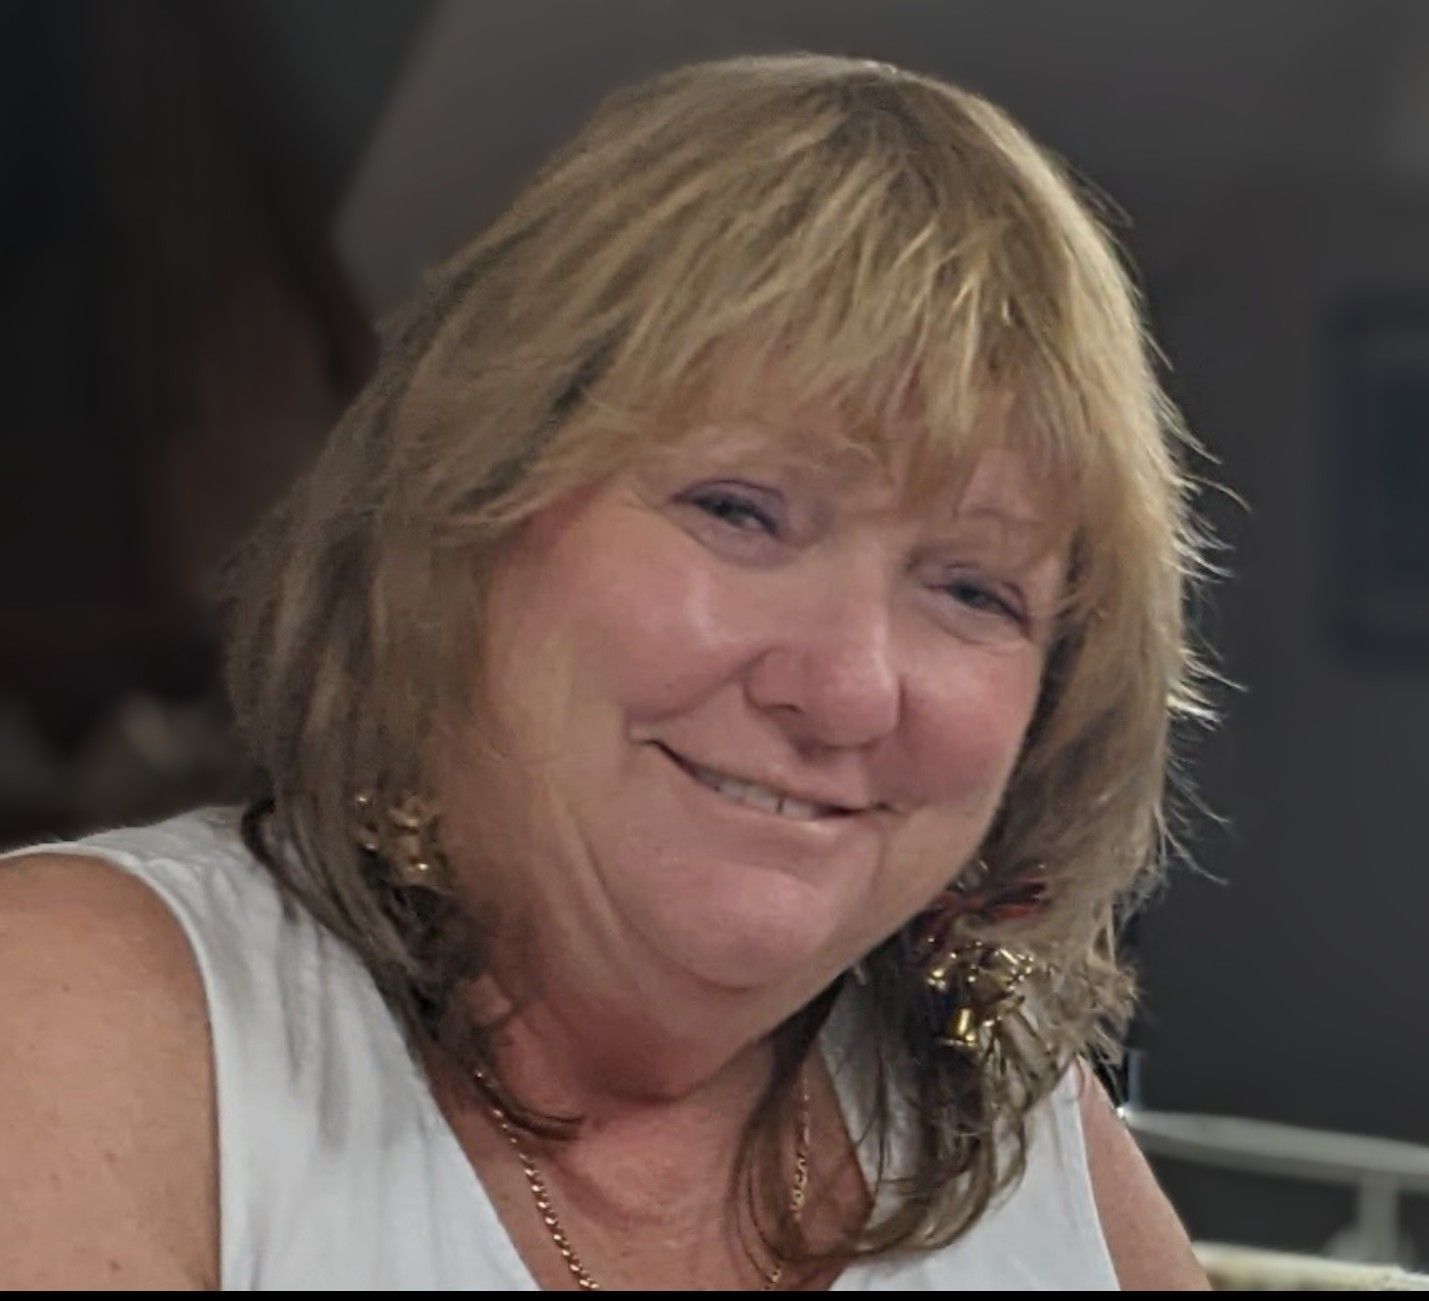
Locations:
column 1148, row 1243
column 109, row 1178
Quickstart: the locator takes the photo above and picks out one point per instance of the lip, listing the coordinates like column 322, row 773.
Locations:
column 844, row 812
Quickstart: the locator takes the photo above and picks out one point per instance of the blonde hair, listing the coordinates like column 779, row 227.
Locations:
column 869, row 233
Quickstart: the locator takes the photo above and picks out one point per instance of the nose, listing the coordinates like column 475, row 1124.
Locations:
column 831, row 675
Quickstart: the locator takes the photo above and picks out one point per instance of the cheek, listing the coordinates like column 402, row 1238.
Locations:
column 965, row 727
column 653, row 634
column 962, row 742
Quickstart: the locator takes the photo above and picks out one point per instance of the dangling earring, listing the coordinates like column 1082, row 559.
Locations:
column 980, row 989
column 977, row 987
column 405, row 839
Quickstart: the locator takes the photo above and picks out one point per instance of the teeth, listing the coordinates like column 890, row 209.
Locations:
column 761, row 797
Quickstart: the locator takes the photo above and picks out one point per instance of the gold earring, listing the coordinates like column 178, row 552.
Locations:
column 405, row 838
column 978, row 986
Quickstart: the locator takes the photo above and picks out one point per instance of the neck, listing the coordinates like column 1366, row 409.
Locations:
column 578, row 1057
column 644, row 1190
column 661, row 1073
column 634, row 1038
column 660, row 1116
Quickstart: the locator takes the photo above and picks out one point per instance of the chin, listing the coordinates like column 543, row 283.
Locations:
column 744, row 943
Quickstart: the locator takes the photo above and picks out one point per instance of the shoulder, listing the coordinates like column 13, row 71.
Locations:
column 106, row 1084
column 1148, row 1243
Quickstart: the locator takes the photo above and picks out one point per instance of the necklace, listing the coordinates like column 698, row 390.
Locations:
column 552, row 1221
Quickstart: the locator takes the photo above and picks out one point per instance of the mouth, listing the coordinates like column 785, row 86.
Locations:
column 752, row 795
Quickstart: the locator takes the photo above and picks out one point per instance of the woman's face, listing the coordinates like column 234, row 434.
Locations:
column 757, row 715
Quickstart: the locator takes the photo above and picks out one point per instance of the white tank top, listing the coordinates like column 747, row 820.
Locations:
column 338, row 1171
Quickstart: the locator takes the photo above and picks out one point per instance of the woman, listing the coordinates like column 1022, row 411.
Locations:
column 712, row 695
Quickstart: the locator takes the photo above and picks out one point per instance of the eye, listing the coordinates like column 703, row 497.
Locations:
column 734, row 509
column 985, row 598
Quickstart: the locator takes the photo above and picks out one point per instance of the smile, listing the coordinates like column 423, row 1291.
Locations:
column 753, row 795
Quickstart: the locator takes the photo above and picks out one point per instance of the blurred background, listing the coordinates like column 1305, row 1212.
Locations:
column 210, row 205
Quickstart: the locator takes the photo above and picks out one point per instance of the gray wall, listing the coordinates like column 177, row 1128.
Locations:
column 1296, row 991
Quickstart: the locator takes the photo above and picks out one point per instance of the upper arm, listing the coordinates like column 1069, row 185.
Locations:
column 108, row 1176
column 1148, row 1244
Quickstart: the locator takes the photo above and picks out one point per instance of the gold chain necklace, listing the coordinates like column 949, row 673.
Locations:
column 552, row 1221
